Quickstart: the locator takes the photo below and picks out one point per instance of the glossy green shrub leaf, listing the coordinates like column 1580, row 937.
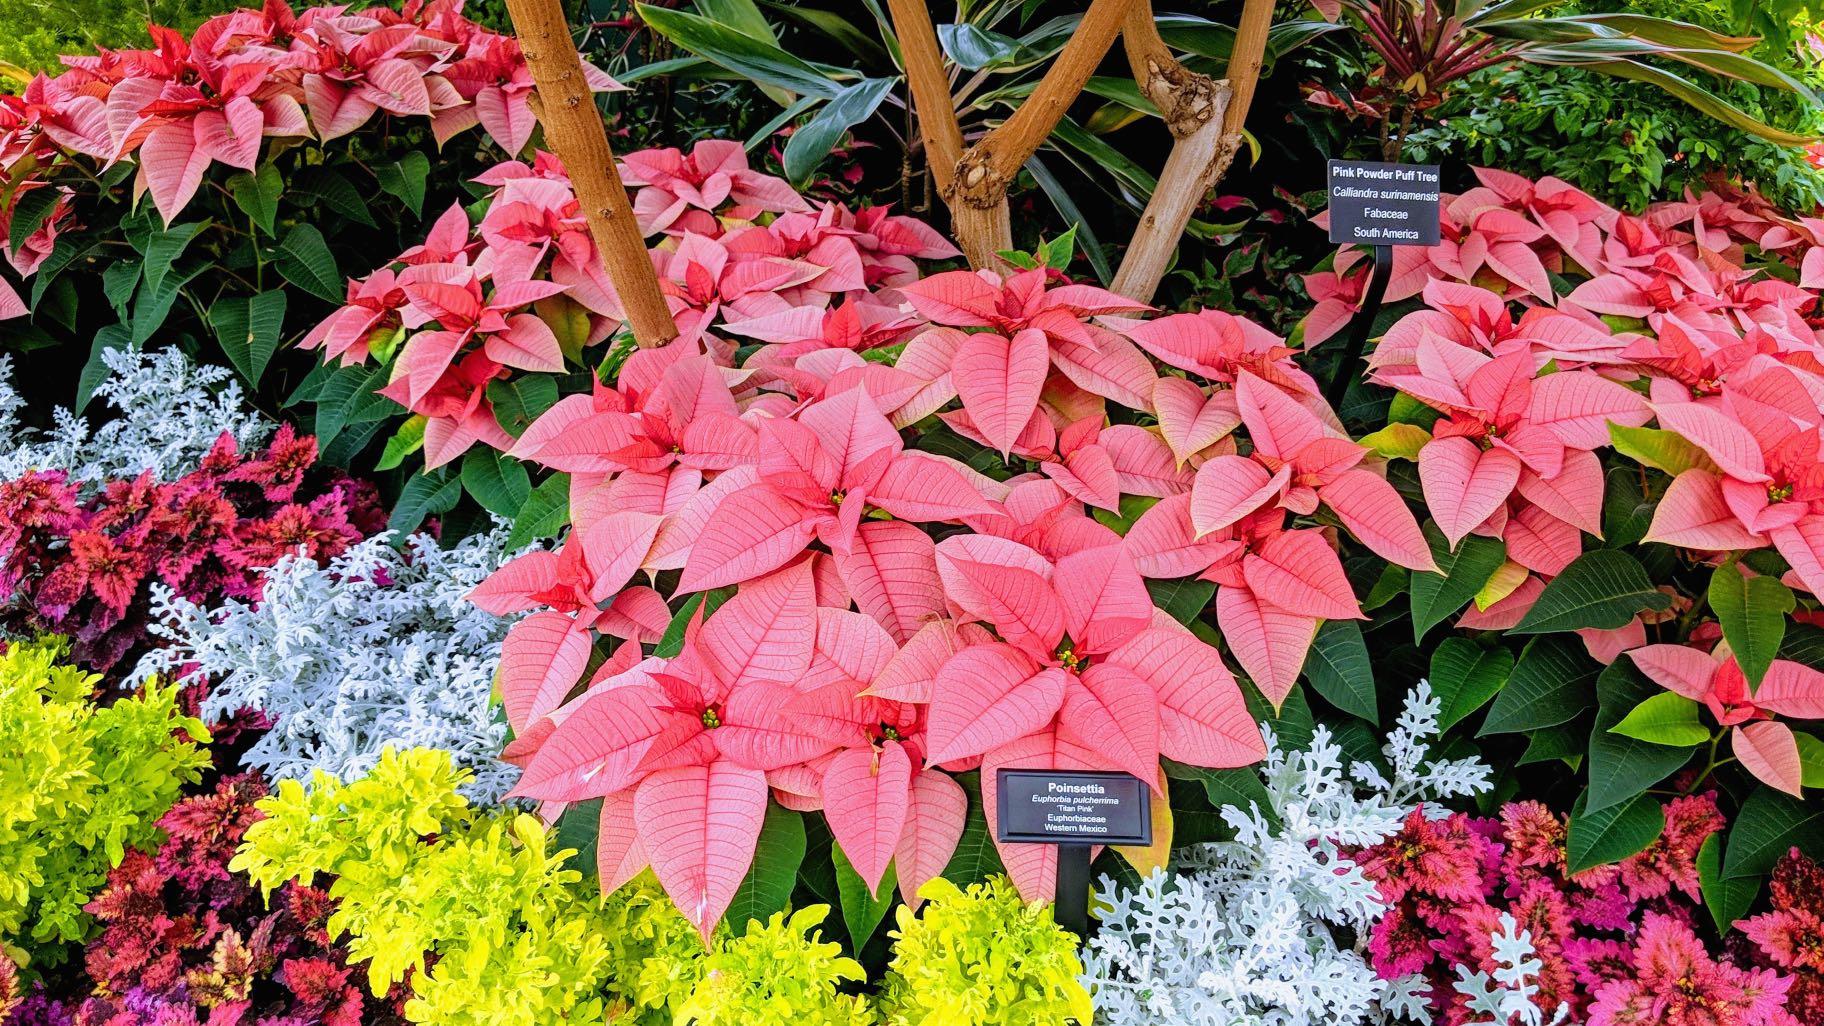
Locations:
column 1614, row 833
column 1339, row 668
column 1753, row 613
column 1601, row 589
column 1461, row 574
column 1664, row 719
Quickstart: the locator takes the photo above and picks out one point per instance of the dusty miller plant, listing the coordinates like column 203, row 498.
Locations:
column 169, row 412
column 1504, row 997
column 1254, row 931
column 380, row 647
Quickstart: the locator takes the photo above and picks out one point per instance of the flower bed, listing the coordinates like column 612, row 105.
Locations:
column 553, row 675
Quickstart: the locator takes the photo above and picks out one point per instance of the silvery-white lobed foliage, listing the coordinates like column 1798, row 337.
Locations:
column 11, row 402
column 168, row 414
column 1254, row 931
column 378, row 648
column 1505, row 997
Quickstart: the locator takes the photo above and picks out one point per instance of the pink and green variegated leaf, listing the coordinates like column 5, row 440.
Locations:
column 1465, row 484
column 1203, row 720
column 599, row 748
column 865, row 801
column 890, row 569
column 1110, row 710
column 765, row 633
column 963, row 299
column 1579, row 406
column 751, row 533
column 1299, row 572
column 1376, row 515
column 937, row 810
column 1033, row 867
column 1770, row 752
column 1269, row 642
column 620, row 855
column 1677, row 668
column 987, row 696
column 1792, row 689
column 1573, row 496
column 999, row 380
column 1277, row 424
column 1693, row 515
column 1732, row 446
column 512, row 588
column 1020, row 604
column 925, row 489
column 542, row 658
column 1229, row 488
column 1164, row 544
column 1803, row 546
column 1106, row 602
column 1190, row 421
column 701, row 825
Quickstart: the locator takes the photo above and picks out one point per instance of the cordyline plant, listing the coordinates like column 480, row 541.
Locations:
column 1426, row 46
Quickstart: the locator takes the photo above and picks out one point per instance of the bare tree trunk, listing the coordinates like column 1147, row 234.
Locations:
column 1194, row 107
column 975, row 182
column 1205, row 117
column 574, row 131
column 930, row 87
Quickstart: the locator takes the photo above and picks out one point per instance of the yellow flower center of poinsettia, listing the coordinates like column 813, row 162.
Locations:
column 888, row 733
column 1779, row 493
column 835, row 498
column 712, row 718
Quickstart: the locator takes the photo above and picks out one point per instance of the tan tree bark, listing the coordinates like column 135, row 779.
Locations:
column 930, row 87
column 976, row 190
column 1194, row 107
column 574, row 131
column 1205, row 117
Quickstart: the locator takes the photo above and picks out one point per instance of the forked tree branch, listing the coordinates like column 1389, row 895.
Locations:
column 1205, row 117
column 574, row 131
column 974, row 183
column 1194, row 108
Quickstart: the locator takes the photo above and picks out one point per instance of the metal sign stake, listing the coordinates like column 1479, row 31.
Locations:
column 1072, row 908
column 1362, row 326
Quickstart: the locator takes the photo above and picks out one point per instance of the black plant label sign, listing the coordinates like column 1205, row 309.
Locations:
column 1060, row 807
column 1376, row 204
